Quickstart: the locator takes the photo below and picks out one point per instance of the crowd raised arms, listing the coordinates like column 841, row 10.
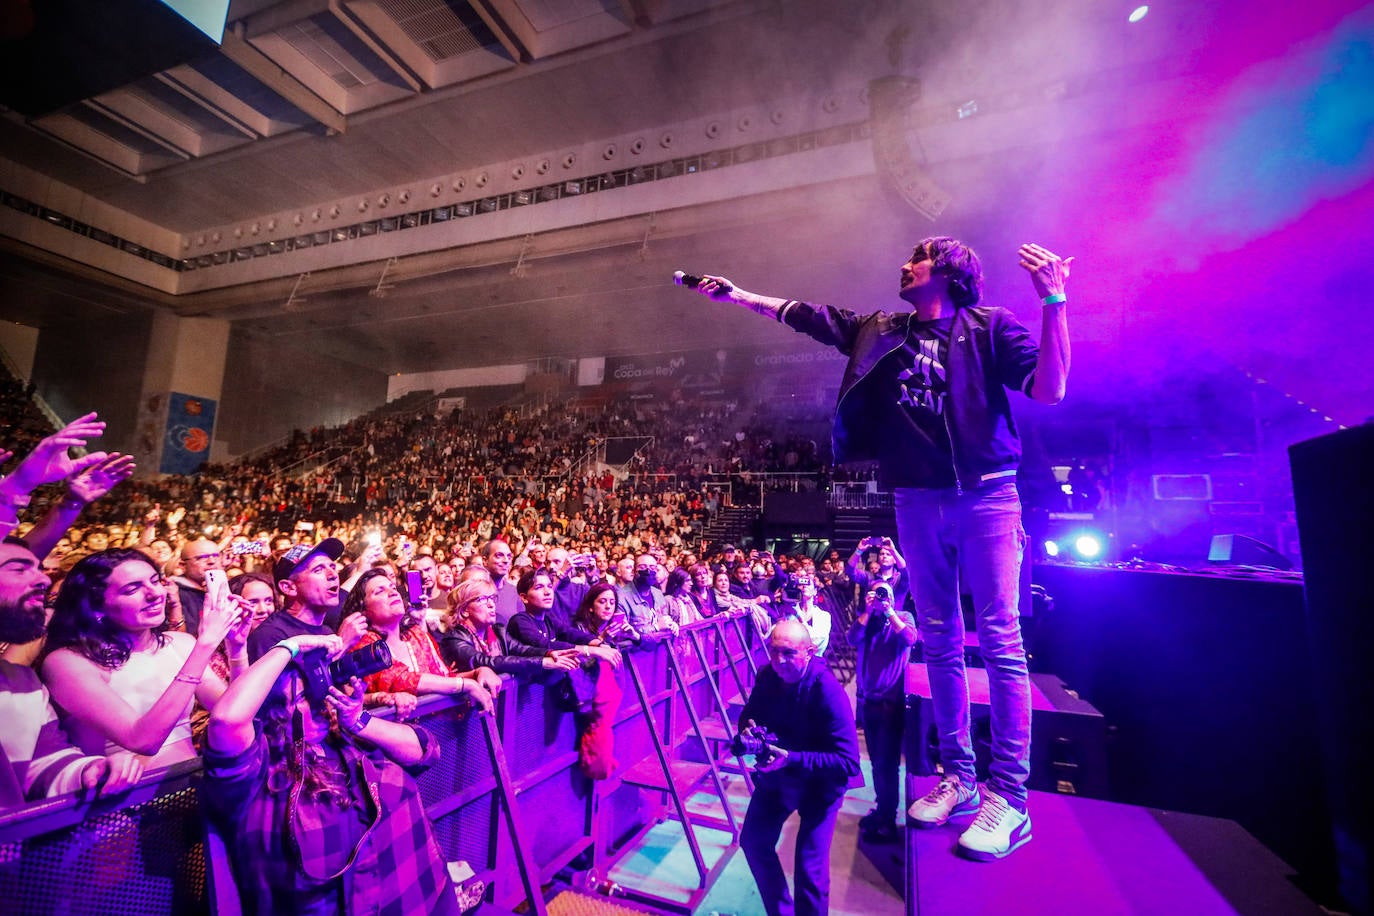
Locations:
column 140, row 619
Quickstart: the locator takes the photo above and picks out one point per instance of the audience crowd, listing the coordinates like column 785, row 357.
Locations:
column 395, row 529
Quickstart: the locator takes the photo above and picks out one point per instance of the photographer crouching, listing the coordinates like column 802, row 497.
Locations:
column 800, row 725
column 314, row 797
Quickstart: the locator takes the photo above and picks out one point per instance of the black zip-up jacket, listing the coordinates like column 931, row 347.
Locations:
column 814, row 723
column 461, row 652
column 989, row 352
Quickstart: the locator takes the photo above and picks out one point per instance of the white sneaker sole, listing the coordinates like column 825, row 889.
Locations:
column 980, row 855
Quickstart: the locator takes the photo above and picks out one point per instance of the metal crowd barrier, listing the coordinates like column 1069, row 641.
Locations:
column 507, row 796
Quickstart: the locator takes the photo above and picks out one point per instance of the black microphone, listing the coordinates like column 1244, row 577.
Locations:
column 686, row 279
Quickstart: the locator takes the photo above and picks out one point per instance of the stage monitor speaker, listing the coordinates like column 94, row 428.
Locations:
column 1068, row 736
column 1333, row 489
column 1243, row 550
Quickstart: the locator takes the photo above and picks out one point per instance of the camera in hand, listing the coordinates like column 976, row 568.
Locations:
column 755, row 740
column 319, row 675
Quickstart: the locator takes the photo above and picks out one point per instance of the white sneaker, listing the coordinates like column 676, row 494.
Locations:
column 997, row 831
column 950, row 797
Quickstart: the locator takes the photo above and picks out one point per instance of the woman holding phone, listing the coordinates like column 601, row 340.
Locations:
column 124, row 681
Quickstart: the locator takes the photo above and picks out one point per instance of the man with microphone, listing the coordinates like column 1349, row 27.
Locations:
column 925, row 394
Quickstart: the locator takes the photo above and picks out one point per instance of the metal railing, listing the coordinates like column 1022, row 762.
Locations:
column 149, row 851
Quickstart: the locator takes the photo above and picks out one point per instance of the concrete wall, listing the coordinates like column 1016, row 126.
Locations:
column 95, row 363
column 270, row 390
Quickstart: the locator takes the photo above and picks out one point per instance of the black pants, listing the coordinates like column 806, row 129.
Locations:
column 884, row 721
column 768, row 809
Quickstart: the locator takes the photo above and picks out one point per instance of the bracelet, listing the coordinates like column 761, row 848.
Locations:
column 74, row 504
column 186, row 679
column 289, row 646
column 359, row 724
column 1055, row 299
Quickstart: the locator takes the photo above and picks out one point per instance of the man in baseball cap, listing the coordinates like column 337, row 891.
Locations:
column 308, row 578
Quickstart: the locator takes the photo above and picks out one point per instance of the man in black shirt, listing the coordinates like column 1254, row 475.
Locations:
column 308, row 578
column 925, row 395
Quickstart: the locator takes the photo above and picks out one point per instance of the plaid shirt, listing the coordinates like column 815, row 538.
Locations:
column 399, row 869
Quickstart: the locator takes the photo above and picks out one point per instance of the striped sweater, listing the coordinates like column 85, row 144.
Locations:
column 41, row 761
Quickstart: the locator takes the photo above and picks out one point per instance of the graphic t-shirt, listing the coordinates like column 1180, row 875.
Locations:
column 917, row 453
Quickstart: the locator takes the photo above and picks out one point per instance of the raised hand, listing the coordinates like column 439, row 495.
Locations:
column 98, row 480
column 49, row 461
column 352, row 629
column 373, row 555
column 236, row 640
column 1048, row 271
column 221, row 613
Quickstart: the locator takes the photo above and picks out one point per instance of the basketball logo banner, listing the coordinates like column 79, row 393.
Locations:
column 190, row 427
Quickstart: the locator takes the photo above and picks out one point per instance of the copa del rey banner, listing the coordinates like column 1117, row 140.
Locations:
column 704, row 368
column 190, row 427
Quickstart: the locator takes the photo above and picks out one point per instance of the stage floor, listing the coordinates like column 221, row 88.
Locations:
column 1087, row 858
column 1097, row 857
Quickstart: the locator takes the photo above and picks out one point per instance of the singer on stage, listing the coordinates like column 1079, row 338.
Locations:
column 925, row 395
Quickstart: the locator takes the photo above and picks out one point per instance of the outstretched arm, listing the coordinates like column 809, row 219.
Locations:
column 722, row 290
column 231, row 721
column 1048, row 273
column 83, row 489
column 47, row 463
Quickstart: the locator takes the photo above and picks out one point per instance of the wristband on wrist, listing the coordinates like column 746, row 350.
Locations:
column 72, row 503
column 359, row 724
column 289, row 646
column 1055, row 299
column 186, row 679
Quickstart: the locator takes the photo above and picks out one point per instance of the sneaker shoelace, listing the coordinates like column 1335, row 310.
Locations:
column 944, row 788
column 990, row 812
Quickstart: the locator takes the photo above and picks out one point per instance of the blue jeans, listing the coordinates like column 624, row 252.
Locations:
column 771, row 805
column 974, row 537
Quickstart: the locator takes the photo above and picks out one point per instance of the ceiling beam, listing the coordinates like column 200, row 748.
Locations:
column 385, row 54
column 264, row 69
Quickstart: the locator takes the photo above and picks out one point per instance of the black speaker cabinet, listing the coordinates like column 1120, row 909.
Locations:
column 1333, row 487
column 1068, row 736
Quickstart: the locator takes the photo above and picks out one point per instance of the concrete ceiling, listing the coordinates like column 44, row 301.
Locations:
column 1037, row 119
